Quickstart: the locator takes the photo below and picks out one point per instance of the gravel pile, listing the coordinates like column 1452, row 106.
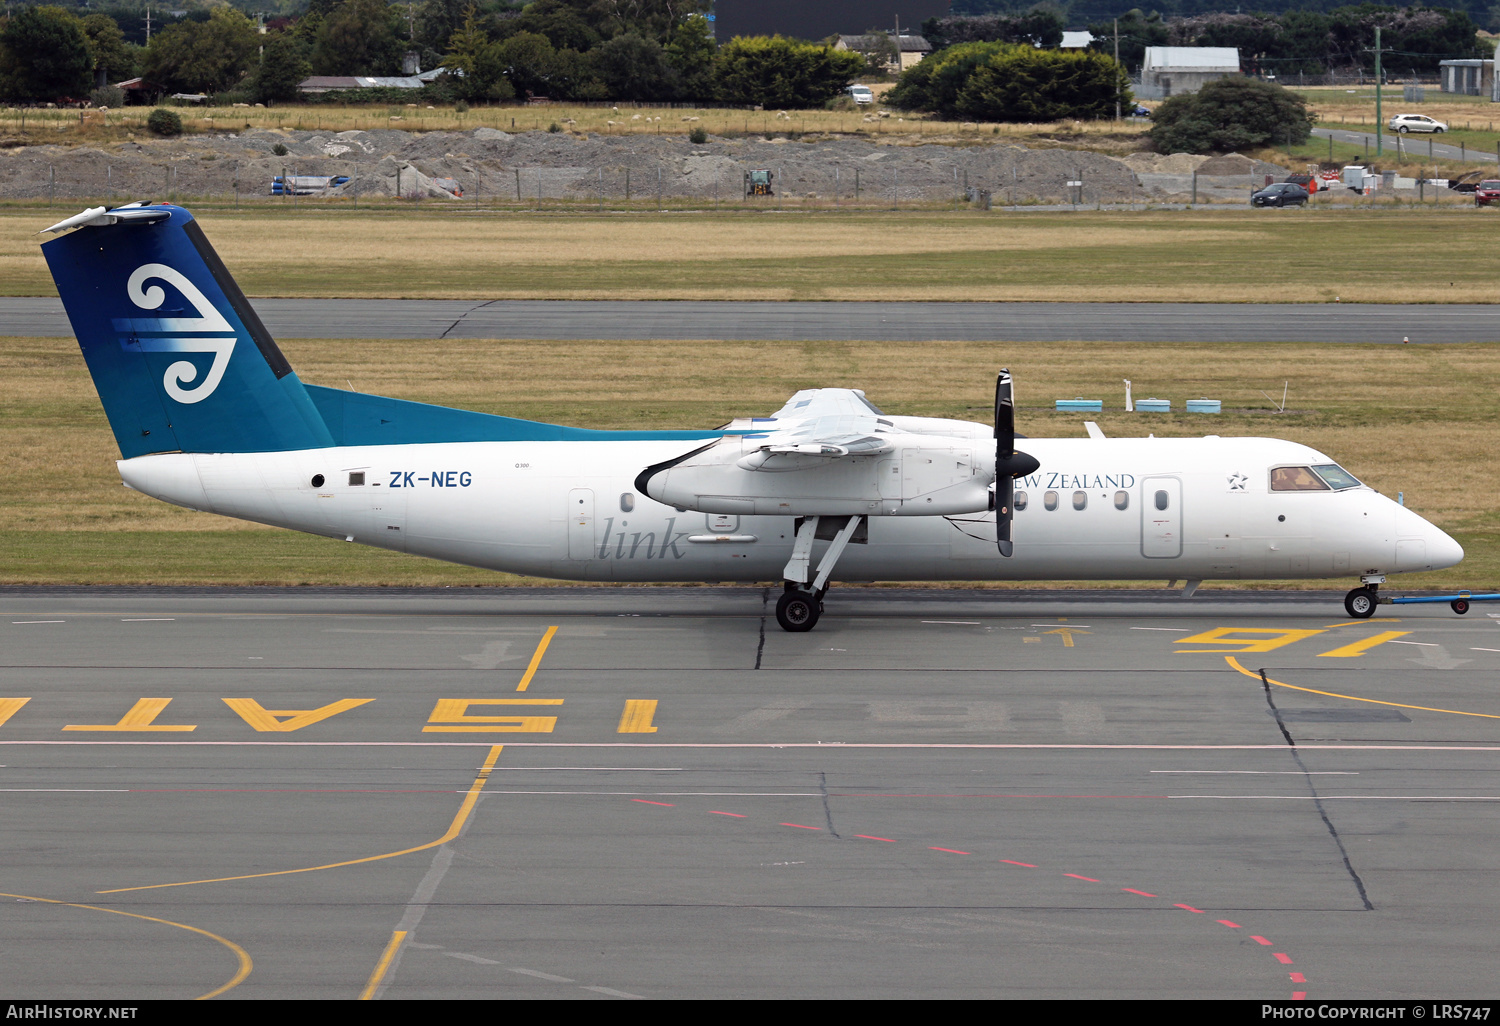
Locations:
column 559, row 166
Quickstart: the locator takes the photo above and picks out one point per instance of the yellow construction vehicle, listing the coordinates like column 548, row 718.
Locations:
column 758, row 182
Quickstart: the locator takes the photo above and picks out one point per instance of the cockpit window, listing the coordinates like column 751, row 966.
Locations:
column 1296, row 479
column 1336, row 476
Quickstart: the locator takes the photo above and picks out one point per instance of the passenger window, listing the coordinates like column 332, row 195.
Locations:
column 1162, row 499
column 1021, row 500
column 1122, row 500
column 1296, row 479
column 1050, row 500
column 627, row 502
column 1080, row 500
column 356, row 477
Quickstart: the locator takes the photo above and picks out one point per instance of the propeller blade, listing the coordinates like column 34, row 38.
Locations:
column 1005, row 415
column 1005, row 497
column 1005, row 450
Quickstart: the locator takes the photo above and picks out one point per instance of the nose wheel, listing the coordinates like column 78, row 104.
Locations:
column 1360, row 603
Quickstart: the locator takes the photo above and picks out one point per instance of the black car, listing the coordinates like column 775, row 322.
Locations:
column 1282, row 194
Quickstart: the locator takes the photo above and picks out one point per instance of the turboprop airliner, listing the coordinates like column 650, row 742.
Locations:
column 209, row 415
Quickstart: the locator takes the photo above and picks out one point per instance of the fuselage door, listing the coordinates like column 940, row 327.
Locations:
column 1161, row 517
column 581, row 523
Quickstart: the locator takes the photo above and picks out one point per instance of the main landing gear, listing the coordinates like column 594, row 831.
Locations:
column 1361, row 602
column 801, row 603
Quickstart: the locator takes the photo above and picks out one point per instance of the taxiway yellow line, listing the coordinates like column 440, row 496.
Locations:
column 1232, row 661
column 464, row 810
column 536, row 658
column 244, row 958
column 383, row 965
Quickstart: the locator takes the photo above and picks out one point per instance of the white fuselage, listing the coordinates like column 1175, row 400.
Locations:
column 571, row 510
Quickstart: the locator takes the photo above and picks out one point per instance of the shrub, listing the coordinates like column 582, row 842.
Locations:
column 554, row 128
column 460, row 107
column 1230, row 114
column 279, row 149
column 164, row 122
column 698, row 136
column 107, row 96
column 1010, row 82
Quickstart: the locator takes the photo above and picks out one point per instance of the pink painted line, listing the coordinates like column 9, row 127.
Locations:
column 1281, row 957
column 1188, row 908
column 1299, row 995
column 1225, row 922
column 1298, row 978
column 1013, row 862
column 1260, row 940
column 1144, row 894
column 953, row 850
column 872, row 837
column 737, row 815
column 799, row 826
column 1090, row 879
column 645, row 802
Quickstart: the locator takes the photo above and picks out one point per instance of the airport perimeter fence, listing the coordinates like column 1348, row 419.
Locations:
column 665, row 187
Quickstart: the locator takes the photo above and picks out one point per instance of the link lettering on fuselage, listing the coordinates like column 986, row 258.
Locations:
column 640, row 545
column 432, row 479
column 1062, row 479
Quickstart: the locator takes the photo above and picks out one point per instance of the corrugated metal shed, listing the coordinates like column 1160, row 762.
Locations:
column 1192, row 58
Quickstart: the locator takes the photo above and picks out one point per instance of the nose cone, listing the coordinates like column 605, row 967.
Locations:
column 1423, row 546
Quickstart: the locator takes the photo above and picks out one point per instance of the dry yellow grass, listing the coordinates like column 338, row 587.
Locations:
column 66, row 127
column 1169, row 256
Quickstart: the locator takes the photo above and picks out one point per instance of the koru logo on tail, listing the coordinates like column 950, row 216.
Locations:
column 209, row 332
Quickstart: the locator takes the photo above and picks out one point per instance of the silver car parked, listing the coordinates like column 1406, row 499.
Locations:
column 1404, row 123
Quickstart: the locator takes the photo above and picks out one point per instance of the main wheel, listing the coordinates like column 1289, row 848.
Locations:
column 797, row 611
column 1403, row 129
column 1360, row 603
column 1460, row 606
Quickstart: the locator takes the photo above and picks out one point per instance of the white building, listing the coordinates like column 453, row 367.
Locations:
column 1172, row 70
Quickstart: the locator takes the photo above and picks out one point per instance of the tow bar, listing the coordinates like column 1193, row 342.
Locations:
column 1459, row 602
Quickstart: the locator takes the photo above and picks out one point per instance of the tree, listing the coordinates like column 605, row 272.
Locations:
column 528, row 60
column 691, row 54
column 202, row 56
column 1230, row 114
column 475, row 64
column 1041, row 26
column 107, row 47
column 283, row 66
column 633, row 68
column 934, row 83
column 44, row 56
column 360, row 37
column 779, row 72
column 1138, row 30
column 1022, row 83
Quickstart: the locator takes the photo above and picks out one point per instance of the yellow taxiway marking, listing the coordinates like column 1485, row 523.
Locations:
column 140, row 717
column 536, row 658
column 636, row 719
column 1359, row 648
column 244, row 959
column 1270, row 638
column 1232, row 661
column 470, row 798
column 9, row 707
column 1067, row 635
column 1357, row 623
column 382, row 965
column 269, row 720
column 456, row 711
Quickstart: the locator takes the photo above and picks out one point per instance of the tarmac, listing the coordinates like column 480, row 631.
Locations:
column 799, row 321
column 611, row 793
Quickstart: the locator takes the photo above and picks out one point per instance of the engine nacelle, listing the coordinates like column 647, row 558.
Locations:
column 917, row 476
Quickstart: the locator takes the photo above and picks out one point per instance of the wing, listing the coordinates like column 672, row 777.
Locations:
column 818, row 424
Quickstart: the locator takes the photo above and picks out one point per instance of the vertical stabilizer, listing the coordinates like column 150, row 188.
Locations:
column 180, row 360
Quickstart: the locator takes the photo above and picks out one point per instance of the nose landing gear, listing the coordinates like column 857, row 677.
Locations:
column 1361, row 602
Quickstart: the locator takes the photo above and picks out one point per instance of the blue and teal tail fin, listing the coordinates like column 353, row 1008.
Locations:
column 179, row 358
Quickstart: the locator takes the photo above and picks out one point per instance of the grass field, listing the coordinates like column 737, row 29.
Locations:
column 1374, row 254
column 1416, row 419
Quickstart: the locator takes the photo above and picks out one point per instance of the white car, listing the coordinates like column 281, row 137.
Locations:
column 1404, row 123
column 860, row 94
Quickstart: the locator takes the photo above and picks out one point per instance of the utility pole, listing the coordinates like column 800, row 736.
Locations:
column 148, row 26
column 897, row 41
column 1379, row 120
column 1117, row 65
